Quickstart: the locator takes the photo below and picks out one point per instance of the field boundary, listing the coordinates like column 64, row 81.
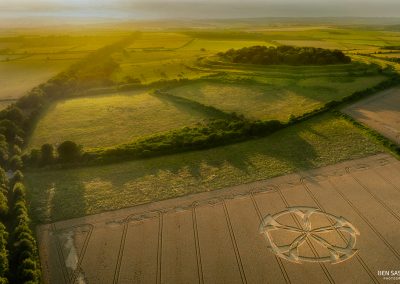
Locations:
column 236, row 191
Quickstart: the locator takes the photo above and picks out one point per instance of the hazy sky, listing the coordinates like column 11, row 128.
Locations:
column 143, row 9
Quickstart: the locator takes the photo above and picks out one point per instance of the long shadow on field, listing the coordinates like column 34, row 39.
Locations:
column 191, row 106
column 63, row 202
column 294, row 151
column 80, row 191
column 55, row 197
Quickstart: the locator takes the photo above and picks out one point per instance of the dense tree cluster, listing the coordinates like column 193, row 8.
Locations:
column 4, row 256
column 285, row 55
column 18, row 253
column 67, row 152
column 4, row 266
column 24, row 265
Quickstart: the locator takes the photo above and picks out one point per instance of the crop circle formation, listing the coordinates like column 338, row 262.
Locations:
column 290, row 241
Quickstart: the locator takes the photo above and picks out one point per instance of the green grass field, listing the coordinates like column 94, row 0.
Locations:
column 156, row 56
column 258, row 92
column 27, row 60
column 160, row 40
column 23, row 75
column 388, row 55
column 276, row 98
column 63, row 194
column 107, row 120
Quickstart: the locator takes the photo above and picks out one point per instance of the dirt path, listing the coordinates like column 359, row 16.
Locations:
column 338, row 224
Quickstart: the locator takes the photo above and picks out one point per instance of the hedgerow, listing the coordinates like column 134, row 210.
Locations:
column 230, row 129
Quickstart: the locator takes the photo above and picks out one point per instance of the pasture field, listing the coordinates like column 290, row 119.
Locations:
column 156, row 56
column 355, row 68
column 313, row 43
column 63, row 194
column 165, row 56
column 274, row 98
column 151, row 66
column 218, row 45
column 27, row 60
column 377, row 61
column 349, row 38
column 160, row 40
column 388, row 55
column 161, row 55
column 107, row 120
column 19, row 76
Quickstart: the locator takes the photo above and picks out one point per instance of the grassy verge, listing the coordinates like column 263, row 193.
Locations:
column 379, row 138
column 317, row 142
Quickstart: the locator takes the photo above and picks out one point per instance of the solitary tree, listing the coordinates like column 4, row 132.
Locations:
column 68, row 152
column 47, row 152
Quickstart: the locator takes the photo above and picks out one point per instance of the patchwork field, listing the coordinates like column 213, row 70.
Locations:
column 275, row 98
column 261, row 210
column 313, row 43
column 165, row 56
column 29, row 60
column 380, row 112
column 331, row 225
column 112, row 119
column 62, row 194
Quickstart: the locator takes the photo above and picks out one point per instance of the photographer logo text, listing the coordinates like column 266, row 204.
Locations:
column 389, row 274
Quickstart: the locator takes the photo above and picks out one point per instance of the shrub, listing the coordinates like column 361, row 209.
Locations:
column 3, row 206
column 3, row 150
column 69, row 152
column 3, row 178
column 19, row 191
column 17, row 177
column 4, row 265
column 47, row 154
column 10, row 130
column 16, row 163
column 34, row 157
column 16, row 150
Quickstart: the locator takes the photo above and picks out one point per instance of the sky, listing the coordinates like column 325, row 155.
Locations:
column 198, row 9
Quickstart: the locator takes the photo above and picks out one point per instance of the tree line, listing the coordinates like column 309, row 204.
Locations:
column 285, row 55
column 19, row 261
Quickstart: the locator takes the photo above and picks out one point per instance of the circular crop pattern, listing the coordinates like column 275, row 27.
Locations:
column 332, row 238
